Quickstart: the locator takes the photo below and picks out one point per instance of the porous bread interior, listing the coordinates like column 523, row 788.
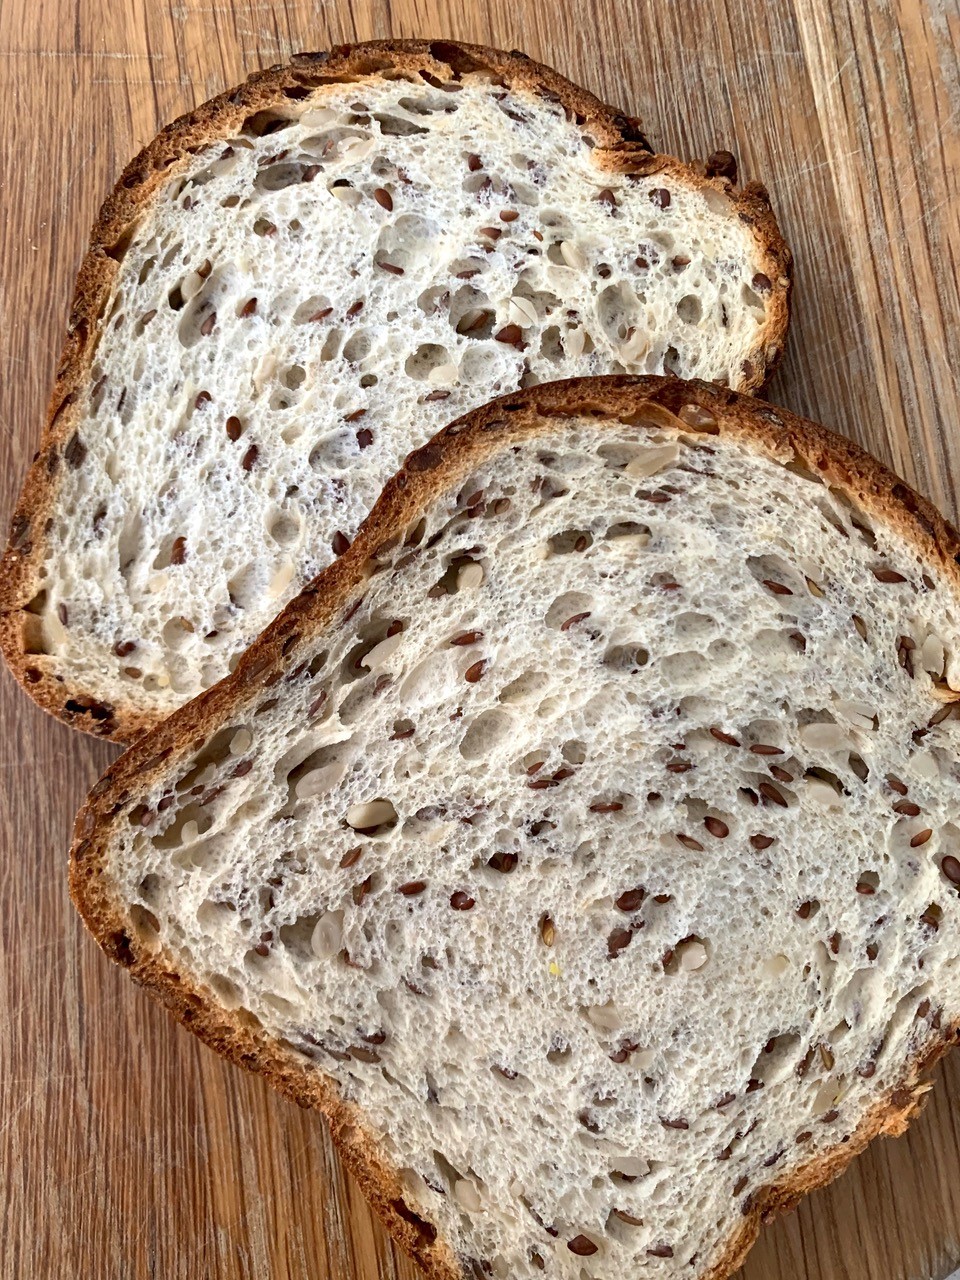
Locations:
column 656, row 898
column 301, row 304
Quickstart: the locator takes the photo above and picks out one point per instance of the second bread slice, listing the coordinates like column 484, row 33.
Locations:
column 302, row 280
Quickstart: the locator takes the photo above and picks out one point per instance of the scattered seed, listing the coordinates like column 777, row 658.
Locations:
column 778, row 588
column 511, row 334
column 178, row 552
column 503, row 861
column 412, row 888
column 888, row 575
column 950, row 866
column 762, row 749
column 369, row 814
column 249, row 458
column 392, row 267
column 716, row 827
column 123, row 647
column 606, row 806
column 361, row 890
column 234, row 428
column 207, row 327
column 582, row 1246
column 351, row 856
column 660, row 1251
column 475, row 671
column 461, row 901
column 548, row 931
column 760, row 842
column 834, row 941
column 660, row 196
column 384, row 199
column 770, row 792
column 728, row 738
column 339, row 543
column 631, row 900
column 618, row 940
column 907, row 808
column 572, row 622
column 678, row 1123
column 921, row 838
column 689, row 842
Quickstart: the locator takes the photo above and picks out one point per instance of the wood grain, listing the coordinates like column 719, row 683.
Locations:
column 127, row 1150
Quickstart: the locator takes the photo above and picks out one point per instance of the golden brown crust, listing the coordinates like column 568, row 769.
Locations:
column 442, row 464
column 621, row 147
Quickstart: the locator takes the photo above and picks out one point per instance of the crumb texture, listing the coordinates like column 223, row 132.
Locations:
column 302, row 303
column 605, row 852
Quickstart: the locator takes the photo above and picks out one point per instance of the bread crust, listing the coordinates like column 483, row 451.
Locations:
column 439, row 465
column 621, row 147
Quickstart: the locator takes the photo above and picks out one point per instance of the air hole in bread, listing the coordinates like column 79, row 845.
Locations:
column 690, row 309
column 485, row 734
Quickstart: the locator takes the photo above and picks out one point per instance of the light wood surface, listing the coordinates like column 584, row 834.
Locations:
column 126, row 1149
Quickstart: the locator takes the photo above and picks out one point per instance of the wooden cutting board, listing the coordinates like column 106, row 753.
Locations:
column 126, row 1149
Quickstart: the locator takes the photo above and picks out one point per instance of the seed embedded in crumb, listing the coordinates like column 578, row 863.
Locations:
column 369, row 814
column 548, row 931
column 689, row 842
column 461, row 901
column 631, row 900
column 716, row 827
column 469, row 576
column 721, row 736
column 467, row 638
column 778, row 588
column 384, row 199
column 572, row 622
column 907, row 808
column 475, row 671
column 888, row 575
column 921, row 838
column 412, row 888
column 606, row 806
column 763, row 749
column 582, row 1246
column 618, row 940
column 950, row 866
column 770, row 792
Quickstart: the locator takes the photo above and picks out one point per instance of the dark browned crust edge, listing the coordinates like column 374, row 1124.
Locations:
column 439, row 465
column 621, row 147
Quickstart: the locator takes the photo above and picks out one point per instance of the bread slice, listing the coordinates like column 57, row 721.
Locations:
column 584, row 841
column 302, row 280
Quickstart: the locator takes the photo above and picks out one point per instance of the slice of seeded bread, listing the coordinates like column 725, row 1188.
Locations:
column 584, row 842
column 302, row 280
